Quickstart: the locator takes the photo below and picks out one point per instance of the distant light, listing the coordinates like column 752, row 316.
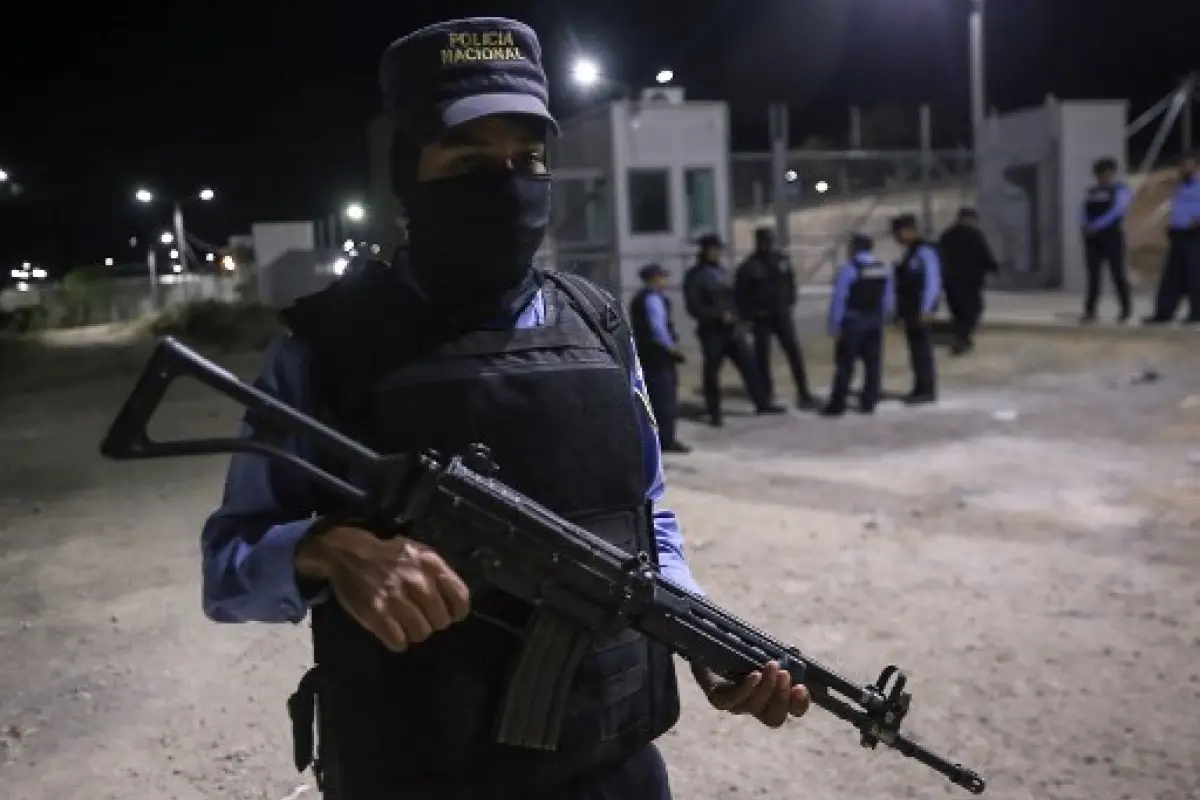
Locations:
column 19, row 273
column 822, row 187
column 585, row 72
column 375, row 249
column 355, row 212
column 108, row 262
column 348, row 245
column 790, row 176
column 664, row 76
column 207, row 194
column 3, row 176
column 22, row 287
column 209, row 257
column 228, row 263
column 133, row 241
column 39, row 273
column 176, row 268
column 144, row 196
column 340, row 265
column 26, row 265
column 167, row 238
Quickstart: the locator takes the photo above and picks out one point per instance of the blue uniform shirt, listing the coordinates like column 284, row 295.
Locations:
column 249, row 543
column 656, row 315
column 1185, row 205
column 846, row 275
column 1124, row 199
column 926, row 258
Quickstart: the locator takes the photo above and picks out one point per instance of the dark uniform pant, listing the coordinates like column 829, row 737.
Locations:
column 643, row 776
column 858, row 342
column 1099, row 251
column 920, row 356
column 1180, row 277
column 716, row 345
column 662, row 386
column 780, row 326
column 965, row 304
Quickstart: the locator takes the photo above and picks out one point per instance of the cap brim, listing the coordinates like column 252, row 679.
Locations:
column 467, row 109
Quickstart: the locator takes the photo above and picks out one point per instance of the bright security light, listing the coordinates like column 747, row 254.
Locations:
column 664, row 76
column 355, row 212
column 207, row 194
column 585, row 72
column 822, row 187
column 167, row 238
column 144, row 196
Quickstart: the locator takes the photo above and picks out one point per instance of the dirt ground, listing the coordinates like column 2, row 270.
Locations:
column 1029, row 550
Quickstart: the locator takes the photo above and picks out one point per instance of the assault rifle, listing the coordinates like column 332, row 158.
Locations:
column 578, row 585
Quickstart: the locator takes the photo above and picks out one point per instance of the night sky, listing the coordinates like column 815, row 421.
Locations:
column 266, row 101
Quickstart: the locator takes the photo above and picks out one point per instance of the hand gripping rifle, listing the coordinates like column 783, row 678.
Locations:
column 578, row 585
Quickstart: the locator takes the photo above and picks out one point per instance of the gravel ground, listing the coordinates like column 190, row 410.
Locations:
column 1028, row 550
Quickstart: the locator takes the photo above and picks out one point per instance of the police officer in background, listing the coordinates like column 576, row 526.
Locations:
column 765, row 293
column 460, row 340
column 658, row 350
column 967, row 261
column 1181, row 272
column 709, row 296
column 863, row 298
column 1103, row 214
column 918, row 278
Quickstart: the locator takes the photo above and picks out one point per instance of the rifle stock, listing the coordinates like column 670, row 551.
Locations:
column 579, row 584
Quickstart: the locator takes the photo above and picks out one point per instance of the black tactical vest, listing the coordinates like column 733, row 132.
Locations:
column 910, row 282
column 1101, row 199
column 867, row 292
column 558, row 414
column 650, row 352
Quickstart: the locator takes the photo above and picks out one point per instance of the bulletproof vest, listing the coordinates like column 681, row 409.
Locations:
column 652, row 354
column 866, row 297
column 557, row 412
column 770, row 288
column 910, row 281
column 1100, row 200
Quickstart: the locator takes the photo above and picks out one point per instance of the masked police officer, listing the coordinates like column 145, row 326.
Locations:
column 765, row 293
column 1103, row 214
column 863, row 298
column 460, row 340
column 918, row 280
column 658, row 351
column 967, row 261
column 709, row 296
column 1181, row 272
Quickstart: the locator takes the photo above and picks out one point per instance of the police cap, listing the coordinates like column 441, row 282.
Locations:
column 861, row 242
column 461, row 70
column 1102, row 165
column 903, row 222
column 709, row 240
column 652, row 271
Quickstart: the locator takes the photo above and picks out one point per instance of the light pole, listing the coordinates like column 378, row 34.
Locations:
column 978, row 98
column 146, row 197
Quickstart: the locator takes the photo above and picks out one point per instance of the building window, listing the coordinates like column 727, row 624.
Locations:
column 581, row 211
column 700, row 192
column 649, row 201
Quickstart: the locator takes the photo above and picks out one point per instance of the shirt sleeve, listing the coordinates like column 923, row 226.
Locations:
column 889, row 295
column 249, row 543
column 837, row 302
column 668, row 536
column 933, row 279
column 656, row 313
column 1124, row 198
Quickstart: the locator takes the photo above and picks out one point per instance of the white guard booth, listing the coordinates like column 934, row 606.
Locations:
column 636, row 182
column 1035, row 166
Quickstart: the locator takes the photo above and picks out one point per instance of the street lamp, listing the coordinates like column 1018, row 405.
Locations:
column 3, row 176
column 144, row 196
column 207, row 194
column 355, row 212
column 585, row 72
column 167, row 237
column 664, row 77
column 108, row 262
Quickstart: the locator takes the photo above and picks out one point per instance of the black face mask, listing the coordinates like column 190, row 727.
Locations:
column 472, row 237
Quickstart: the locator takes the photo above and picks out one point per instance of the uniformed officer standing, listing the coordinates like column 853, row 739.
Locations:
column 863, row 298
column 459, row 340
column 1181, row 273
column 709, row 296
column 765, row 292
column 918, row 280
column 1103, row 215
column 658, row 351
column 967, row 261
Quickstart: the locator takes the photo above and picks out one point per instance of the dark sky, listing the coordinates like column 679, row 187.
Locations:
column 266, row 101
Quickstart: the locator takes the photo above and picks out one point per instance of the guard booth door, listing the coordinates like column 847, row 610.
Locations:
column 582, row 238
